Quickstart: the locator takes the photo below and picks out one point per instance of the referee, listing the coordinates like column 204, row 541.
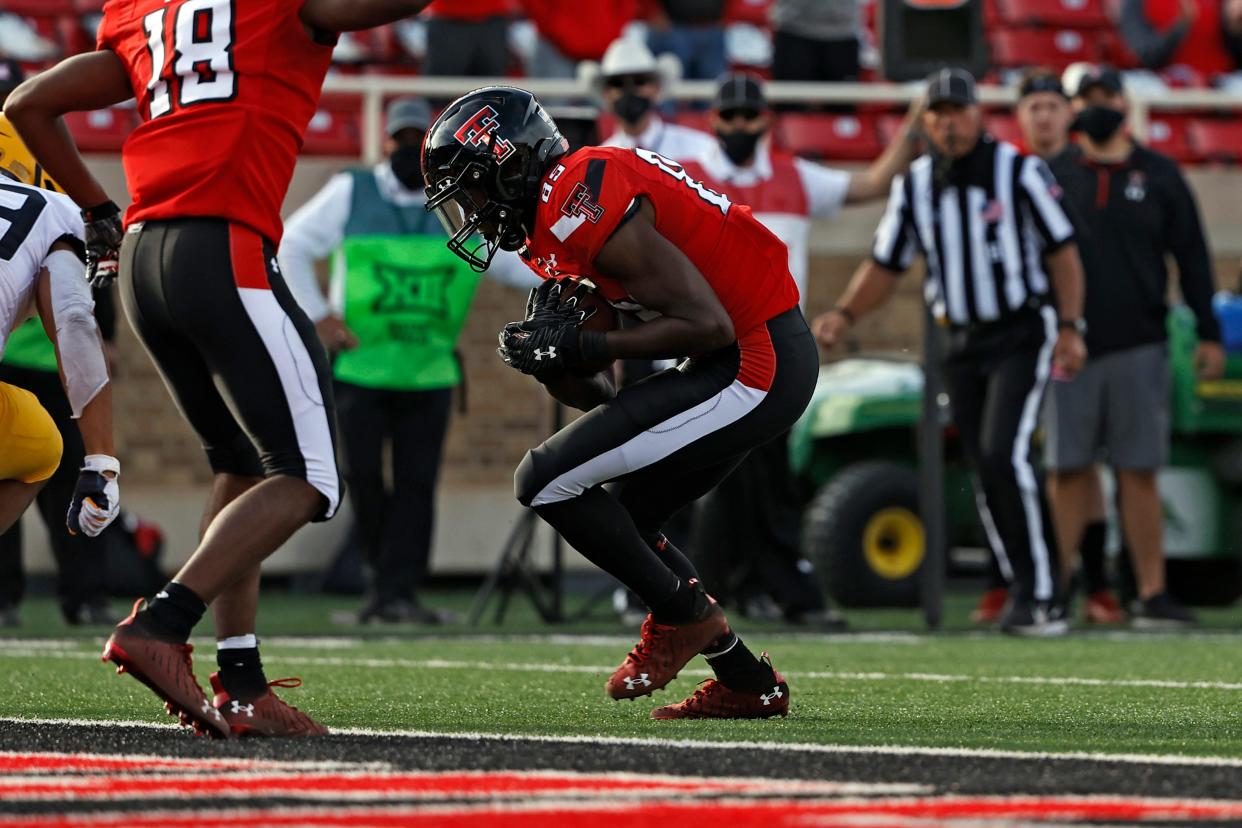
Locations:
column 1000, row 254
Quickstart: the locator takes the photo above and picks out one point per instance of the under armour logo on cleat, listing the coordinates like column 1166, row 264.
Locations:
column 207, row 708
column 775, row 694
column 631, row 683
column 550, row 353
column 238, row 707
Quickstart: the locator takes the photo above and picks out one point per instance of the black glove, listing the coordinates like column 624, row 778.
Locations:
column 103, row 243
column 544, row 350
column 544, row 305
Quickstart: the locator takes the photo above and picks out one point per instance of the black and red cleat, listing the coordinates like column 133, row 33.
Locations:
column 715, row 701
column 167, row 668
column 661, row 652
column 267, row 715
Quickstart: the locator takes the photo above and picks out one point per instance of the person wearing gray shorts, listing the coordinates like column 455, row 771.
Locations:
column 1132, row 208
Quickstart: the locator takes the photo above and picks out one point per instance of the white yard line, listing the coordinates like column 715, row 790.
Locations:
column 603, row 669
column 696, row 744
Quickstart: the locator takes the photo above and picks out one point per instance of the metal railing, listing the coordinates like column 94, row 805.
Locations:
column 374, row 88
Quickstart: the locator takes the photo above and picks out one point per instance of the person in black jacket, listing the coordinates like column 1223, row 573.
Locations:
column 1132, row 207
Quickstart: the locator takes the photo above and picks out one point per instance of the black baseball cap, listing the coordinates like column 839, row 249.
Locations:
column 1041, row 82
column 740, row 90
column 951, row 86
column 1105, row 77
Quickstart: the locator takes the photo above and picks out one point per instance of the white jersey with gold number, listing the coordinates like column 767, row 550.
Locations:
column 31, row 221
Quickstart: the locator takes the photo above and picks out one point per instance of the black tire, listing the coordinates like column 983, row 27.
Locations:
column 876, row 496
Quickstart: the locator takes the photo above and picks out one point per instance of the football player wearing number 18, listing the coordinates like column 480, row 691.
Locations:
column 225, row 90
column 708, row 280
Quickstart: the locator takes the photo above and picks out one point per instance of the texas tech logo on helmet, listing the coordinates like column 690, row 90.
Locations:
column 480, row 131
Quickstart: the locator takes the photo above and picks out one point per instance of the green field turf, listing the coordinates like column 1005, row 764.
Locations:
column 952, row 689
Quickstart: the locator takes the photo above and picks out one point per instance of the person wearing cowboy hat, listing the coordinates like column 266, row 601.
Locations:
column 630, row 81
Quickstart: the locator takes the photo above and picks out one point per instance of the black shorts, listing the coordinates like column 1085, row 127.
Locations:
column 239, row 355
column 673, row 436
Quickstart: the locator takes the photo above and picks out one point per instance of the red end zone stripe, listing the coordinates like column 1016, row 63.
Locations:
column 246, row 257
column 766, row 814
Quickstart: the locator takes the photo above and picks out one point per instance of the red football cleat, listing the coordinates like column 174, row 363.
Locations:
column 266, row 715
column 1102, row 608
column 991, row 605
column 715, row 701
column 662, row 651
column 168, row 670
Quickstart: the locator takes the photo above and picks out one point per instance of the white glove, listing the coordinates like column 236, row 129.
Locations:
column 97, row 496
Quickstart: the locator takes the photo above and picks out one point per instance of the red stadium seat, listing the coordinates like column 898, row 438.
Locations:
column 334, row 131
column 1216, row 140
column 1116, row 52
column 88, row 6
column 104, row 130
column 1072, row 14
column 887, row 126
column 38, row 8
column 699, row 119
column 1167, row 134
column 1005, row 128
column 844, row 137
column 754, row 12
column 1042, row 47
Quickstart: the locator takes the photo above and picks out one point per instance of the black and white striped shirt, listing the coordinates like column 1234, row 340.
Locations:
column 984, row 230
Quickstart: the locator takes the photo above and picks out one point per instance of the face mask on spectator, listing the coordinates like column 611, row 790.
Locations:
column 631, row 108
column 1099, row 122
column 407, row 165
column 739, row 145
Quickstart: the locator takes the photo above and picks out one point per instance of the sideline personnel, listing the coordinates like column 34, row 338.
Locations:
column 999, row 251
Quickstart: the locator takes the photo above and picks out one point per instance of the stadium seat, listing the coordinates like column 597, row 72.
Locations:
column 887, row 126
column 1216, row 140
column 1167, row 134
column 1115, row 51
column 334, row 131
column 1071, row 14
column 38, row 8
column 103, row 130
column 1004, row 127
column 88, row 6
column 1042, row 47
column 844, row 137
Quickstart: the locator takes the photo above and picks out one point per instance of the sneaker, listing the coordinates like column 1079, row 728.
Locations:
column 661, row 652
column 1035, row 620
column 167, row 669
column 990, row 607
column 1102, row 608
column 1161, row 612
column 266, row 715
column 715, row 701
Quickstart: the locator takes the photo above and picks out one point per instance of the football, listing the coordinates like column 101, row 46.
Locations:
column 606, row 318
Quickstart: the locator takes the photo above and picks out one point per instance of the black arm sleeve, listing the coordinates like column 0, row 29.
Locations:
column 1153, row 48
column 1194, row 266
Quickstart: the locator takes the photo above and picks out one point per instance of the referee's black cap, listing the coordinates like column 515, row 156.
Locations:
column 740, row 90
column 951, row 86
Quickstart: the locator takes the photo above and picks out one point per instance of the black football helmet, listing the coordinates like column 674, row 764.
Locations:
column 483, row 160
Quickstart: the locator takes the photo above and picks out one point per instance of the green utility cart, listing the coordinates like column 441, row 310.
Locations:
column 856, row 447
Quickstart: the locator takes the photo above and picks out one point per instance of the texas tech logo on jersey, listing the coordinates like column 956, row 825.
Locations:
column 480, row 131
column 581, row 203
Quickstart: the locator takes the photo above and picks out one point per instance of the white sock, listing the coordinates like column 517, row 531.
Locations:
column 238, row 642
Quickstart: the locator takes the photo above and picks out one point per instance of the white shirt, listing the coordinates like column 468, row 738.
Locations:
column 825, row 190
column 673, row 141
column 57, row 217
column 318, row 228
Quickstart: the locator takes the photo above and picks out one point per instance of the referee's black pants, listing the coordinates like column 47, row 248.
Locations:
column 996, row 375
column 80, row 561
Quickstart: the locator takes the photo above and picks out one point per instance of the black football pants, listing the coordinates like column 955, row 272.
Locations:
column 995, row 375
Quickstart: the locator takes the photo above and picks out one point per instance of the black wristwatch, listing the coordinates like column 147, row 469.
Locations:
column 1078, row 326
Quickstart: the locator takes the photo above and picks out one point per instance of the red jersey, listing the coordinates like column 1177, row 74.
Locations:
column 585, row 196
column 225, row 90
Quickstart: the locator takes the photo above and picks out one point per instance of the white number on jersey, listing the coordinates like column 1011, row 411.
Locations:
column 674, row 169
column 202, row 60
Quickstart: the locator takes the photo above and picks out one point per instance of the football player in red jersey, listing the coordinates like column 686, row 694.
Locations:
column 225, row 90
column 708, row 280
